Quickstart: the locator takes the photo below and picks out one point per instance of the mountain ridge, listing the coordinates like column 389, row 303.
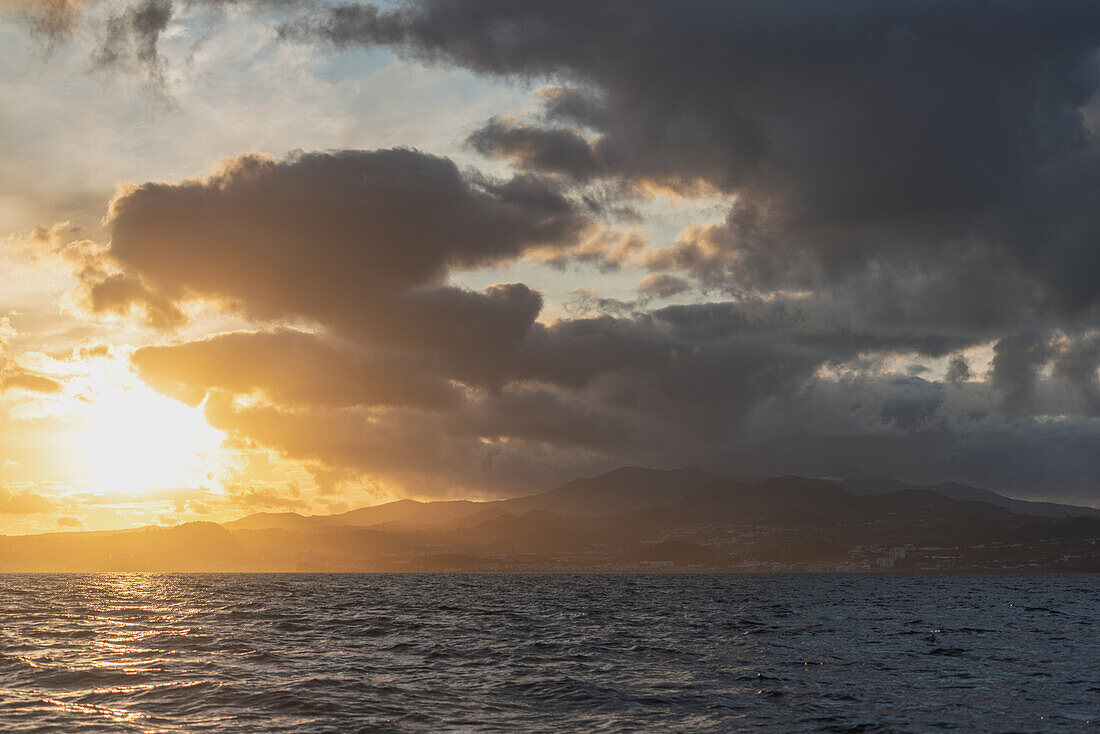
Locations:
column 631, row 519
column 617, row 492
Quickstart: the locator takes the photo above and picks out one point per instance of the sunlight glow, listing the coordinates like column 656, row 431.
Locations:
column 136, row 439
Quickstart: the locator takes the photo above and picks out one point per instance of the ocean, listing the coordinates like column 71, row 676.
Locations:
column 549, row 653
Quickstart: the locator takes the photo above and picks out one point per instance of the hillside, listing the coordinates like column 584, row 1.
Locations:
column 628, row 519
column 965, row 492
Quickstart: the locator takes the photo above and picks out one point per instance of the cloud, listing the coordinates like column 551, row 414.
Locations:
column 857, row 137
column 903, row 194
column 471, row 405
column 129, row 30
column 663, row 285
column 23, row 502
column 15, row 377
column 132, row 35
column 291, row 368
column 1078, row 364
column 341, row 238
column 958, row 370
column 54, row 19
column 674, row 385
column 1016, row 363
column 443, row 390
column 547, row 150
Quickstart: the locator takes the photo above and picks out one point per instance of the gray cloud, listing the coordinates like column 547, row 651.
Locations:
column 1078, row 364
column 663, row 285
column 53, row 19
column 546, row 150
column 910, row 181
column 958, row 370
column 1016, row 363
column 858, row 136
column 358, row 241
column 131, row 36
column 129, row 31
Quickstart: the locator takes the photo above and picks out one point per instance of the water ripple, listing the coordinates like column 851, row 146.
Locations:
column 313, row 653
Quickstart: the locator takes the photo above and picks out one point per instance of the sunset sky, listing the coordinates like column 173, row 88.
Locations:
column 308, row 255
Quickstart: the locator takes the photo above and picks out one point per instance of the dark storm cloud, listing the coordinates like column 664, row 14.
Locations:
column 436, row 385
column 908, row 182
column 349, row 225
column 672, row 386
column 1015, row 370
column 912, row 401
column 723, row 406
column 958, row 370
column 358, row 241
column 853, row 132
column 535, row 148
column 1078, row 365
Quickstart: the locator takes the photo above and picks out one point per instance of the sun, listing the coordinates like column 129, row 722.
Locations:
column 135, row 439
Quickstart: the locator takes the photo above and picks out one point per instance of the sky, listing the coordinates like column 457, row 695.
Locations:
column 303, row 255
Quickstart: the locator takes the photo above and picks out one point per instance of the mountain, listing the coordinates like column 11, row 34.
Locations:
column 194, row 546
column 782, row 497
column 408, row 511
column 400, row 512
column 964, row 492
column 630, row 519
column 622, row 490
column 1063, row 528
column 277, row 520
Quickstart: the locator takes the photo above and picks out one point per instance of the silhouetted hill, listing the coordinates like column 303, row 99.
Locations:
column 921, row 505
column 1065, row 528
column 631, row 526
column 623, row 490
column 784, row 498
column 537, row 531
column 280, row 520
column 408, row 511
column 195, row 546
column 629, row 519
column 874, row 485
column 964, row 492
column 619, row 491
column 804, row 551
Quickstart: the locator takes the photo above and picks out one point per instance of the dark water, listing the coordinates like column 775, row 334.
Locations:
column 459, row 652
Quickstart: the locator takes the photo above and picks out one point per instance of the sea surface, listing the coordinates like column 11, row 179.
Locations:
column 554, row 653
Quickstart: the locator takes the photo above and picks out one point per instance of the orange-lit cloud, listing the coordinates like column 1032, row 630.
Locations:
column 292, row 368
column 15, row 377
column 53, row 18
column 23, row 502
column 878, row 283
